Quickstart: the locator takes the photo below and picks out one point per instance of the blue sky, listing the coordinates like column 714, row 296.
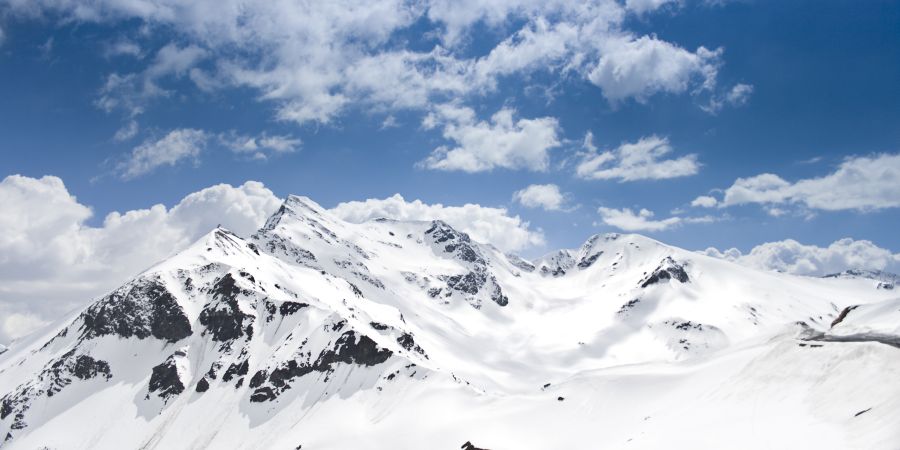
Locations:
column 727, row 124
column 825, row 87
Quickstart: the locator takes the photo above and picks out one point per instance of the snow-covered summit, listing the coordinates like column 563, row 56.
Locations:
column 328, row 334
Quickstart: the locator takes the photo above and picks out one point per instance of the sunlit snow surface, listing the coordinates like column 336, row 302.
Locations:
column 387, row 334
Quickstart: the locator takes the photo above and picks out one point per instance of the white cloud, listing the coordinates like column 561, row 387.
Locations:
column 628, row 220
column 641, row 160
column 131, row 92
column 51, row 261
column 791, row 256
column 313, row 60
column 175, row 60
column 124, row 47
column 546, row 196
column 504, row 142
column 863, row 183
column 588, row 142
column 738, row 95
column 482, row 223
column 389, row 122
column 128, row 131
column 642, row 220
column 261, row 146
column 644, row 6
column 173, row 148
column 645, row 66
column 704, row 201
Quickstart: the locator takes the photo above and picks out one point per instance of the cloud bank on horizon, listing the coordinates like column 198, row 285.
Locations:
column 50, row 252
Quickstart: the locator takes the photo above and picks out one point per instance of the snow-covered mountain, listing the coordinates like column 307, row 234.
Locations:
column 882, row 279
column 316, row 333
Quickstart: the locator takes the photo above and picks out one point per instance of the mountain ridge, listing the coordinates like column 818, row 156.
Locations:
column 312, row 318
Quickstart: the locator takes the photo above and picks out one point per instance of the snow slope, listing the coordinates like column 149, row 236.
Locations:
column 393, row 334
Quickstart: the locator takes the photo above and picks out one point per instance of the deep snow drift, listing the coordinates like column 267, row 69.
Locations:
column 389, row 334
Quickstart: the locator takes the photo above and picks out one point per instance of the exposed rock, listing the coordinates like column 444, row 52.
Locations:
column 54, row 378
column 350, row 348
column 843, row 315
column 624, row 309
column 469, row 283
column 288, row 308
column 458, row 244
column 588, row 261
column 141, row 309
column 238, row 369
column 520, row 263
column 223, row 317
column 406, row 341
column 667, row 270
column 165, row 380
column 556, row 264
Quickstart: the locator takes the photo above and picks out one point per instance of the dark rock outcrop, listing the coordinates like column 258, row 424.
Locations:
column 350, row 348
column 407, row 341
column 59, row 374
column 288, row 308
column 165, row 380
column 223, row 317
column 237, row 369
column 667, row 270
column 588, row 261
column 142, row 308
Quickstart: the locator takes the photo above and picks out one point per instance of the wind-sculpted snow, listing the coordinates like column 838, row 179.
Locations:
column 319, row 333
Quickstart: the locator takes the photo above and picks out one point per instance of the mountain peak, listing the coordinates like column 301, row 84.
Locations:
column 297, row 207
column 389, row 313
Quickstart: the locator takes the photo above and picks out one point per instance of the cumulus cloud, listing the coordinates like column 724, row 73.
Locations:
column 546, row 196
column 51, row 260
column 504, row 142
column 862, row 183
column 638, row 68
column 482, row 223
column 641, row 160
column 643, row 220
column 314, row 59
column 793, row 257
column 173, row 148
